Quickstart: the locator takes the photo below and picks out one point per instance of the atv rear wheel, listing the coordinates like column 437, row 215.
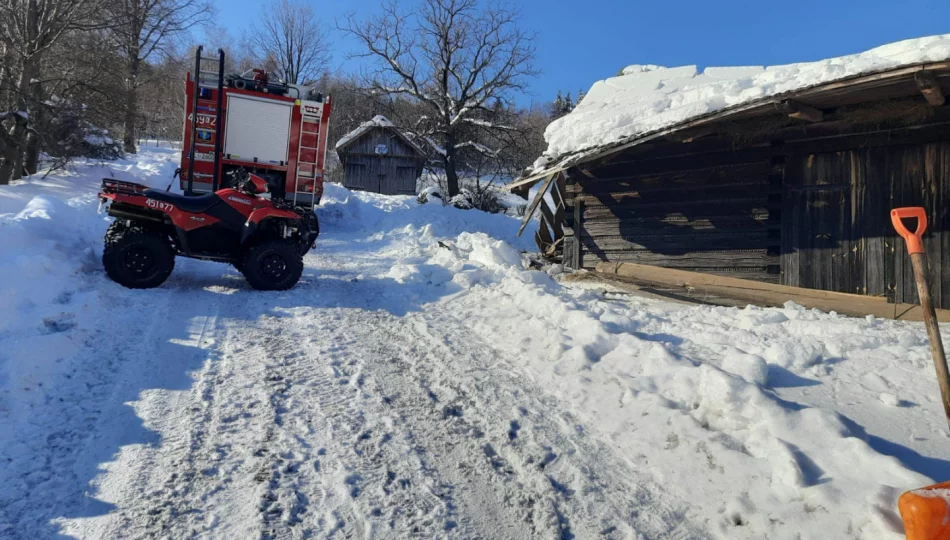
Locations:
column 272, row 265
column 136, row 257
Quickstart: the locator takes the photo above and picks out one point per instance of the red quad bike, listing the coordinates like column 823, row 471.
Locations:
column 265, row 239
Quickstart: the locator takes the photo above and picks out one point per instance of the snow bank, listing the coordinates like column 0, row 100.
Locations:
column 647, row 98
column 710, row 400
column 50, row 244
column 346, row 211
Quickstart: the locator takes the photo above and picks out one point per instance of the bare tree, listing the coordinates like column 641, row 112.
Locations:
column 144, row 28
column 456, row 59
column 292, row 41
column 27, row 30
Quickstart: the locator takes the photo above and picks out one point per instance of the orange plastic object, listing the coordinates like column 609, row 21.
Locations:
column 926, row 512
column 914, row 240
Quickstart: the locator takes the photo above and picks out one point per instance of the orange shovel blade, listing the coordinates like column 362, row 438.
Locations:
column 926, row 512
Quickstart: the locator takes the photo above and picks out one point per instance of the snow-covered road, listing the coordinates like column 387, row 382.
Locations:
column 419, row 382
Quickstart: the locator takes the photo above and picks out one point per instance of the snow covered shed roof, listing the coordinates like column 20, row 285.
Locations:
column 646, row 102
column 378, row 121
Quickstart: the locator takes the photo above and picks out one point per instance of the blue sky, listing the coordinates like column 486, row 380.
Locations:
column 582, row 41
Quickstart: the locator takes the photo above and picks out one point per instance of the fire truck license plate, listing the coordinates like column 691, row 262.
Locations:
column 204, row 156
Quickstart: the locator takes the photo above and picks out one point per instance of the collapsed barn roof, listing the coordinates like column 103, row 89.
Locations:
column 647, row 102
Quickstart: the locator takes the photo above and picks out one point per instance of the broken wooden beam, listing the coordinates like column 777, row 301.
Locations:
column 929, row 86
column 699, row 286
column 800, row 111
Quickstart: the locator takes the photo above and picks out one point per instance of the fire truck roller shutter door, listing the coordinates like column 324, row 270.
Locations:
column 257, row 128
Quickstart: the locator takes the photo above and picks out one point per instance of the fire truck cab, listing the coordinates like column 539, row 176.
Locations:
column 275, row 130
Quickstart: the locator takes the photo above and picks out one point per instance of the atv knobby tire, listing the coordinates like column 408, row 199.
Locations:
column 272, row 265
column 136, row 257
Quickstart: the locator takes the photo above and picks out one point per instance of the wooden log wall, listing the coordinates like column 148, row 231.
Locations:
column 837, row 234
column 716, row 212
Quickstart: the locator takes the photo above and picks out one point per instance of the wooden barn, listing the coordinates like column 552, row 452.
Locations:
column 791, row 188
column 378, row 157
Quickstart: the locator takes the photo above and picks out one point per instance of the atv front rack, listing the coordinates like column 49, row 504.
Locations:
column 111, row 186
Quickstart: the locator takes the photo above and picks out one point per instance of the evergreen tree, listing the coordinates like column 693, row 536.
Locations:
column 557, row 108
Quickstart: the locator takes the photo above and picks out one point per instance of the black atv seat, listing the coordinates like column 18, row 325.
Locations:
column 195, row 205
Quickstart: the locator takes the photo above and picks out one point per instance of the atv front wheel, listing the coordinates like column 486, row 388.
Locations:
column 137, row 258
column 272, row 265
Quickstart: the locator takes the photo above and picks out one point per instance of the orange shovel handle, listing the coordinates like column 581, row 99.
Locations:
column 914, row 240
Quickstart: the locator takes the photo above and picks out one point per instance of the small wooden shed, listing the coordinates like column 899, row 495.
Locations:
column 378, row 157
column 792, row 188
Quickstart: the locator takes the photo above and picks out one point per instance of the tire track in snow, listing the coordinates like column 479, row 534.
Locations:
column 365, row 485
column 591, row 492
column 179, row 473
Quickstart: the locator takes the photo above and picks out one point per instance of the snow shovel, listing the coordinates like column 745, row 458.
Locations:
column 918, row 258
column 925, row 511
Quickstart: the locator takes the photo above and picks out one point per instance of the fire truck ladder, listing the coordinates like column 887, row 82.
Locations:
column 306, row 168
column 205, row 81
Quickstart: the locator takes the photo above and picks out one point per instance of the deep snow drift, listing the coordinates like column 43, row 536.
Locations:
column 421, row 381
column 647, row 98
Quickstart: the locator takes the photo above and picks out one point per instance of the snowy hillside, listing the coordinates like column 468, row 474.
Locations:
column 419, row 381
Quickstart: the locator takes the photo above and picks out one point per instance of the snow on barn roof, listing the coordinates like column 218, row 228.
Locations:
column 647, row 99
column 377, row 121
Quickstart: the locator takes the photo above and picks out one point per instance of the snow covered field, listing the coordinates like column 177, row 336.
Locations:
column 419, row 382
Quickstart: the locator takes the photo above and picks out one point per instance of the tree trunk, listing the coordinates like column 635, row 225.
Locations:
column 32, row 140
column 32, row 160
column 5, row 99
column 131, row 107
column 13, row 153
column 451, row 173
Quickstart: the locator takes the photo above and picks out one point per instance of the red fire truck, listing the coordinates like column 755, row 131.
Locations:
column 275, row 130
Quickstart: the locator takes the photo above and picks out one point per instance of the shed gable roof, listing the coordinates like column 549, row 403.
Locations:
column 378, row 121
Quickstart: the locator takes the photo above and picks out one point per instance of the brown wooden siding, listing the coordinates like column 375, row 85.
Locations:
column 837, row 231
column 707, row 213
column 392, row 173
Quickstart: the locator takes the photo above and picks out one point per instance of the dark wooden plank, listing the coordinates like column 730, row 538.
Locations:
column 885, row 137
column 678, row 179
column 666, row 245
column 529, row 212
column 547, row 218
column 684, row 226
column 675, row 197
column 932, row 184
column 681, row 163
column 578, row 255
column 942, row 224
column 543, row 238
column 723, row 207
column 717, row 259
column 858, row 236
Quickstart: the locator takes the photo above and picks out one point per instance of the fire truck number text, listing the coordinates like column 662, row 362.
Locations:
column 163, row 206
column 204, row 120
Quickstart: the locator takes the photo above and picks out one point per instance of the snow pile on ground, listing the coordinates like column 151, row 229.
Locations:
column 766, row 419
column 647, row 98
column 621, row 415
column 50, row 235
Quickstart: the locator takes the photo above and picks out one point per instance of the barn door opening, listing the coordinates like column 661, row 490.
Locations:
column 818, row 225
